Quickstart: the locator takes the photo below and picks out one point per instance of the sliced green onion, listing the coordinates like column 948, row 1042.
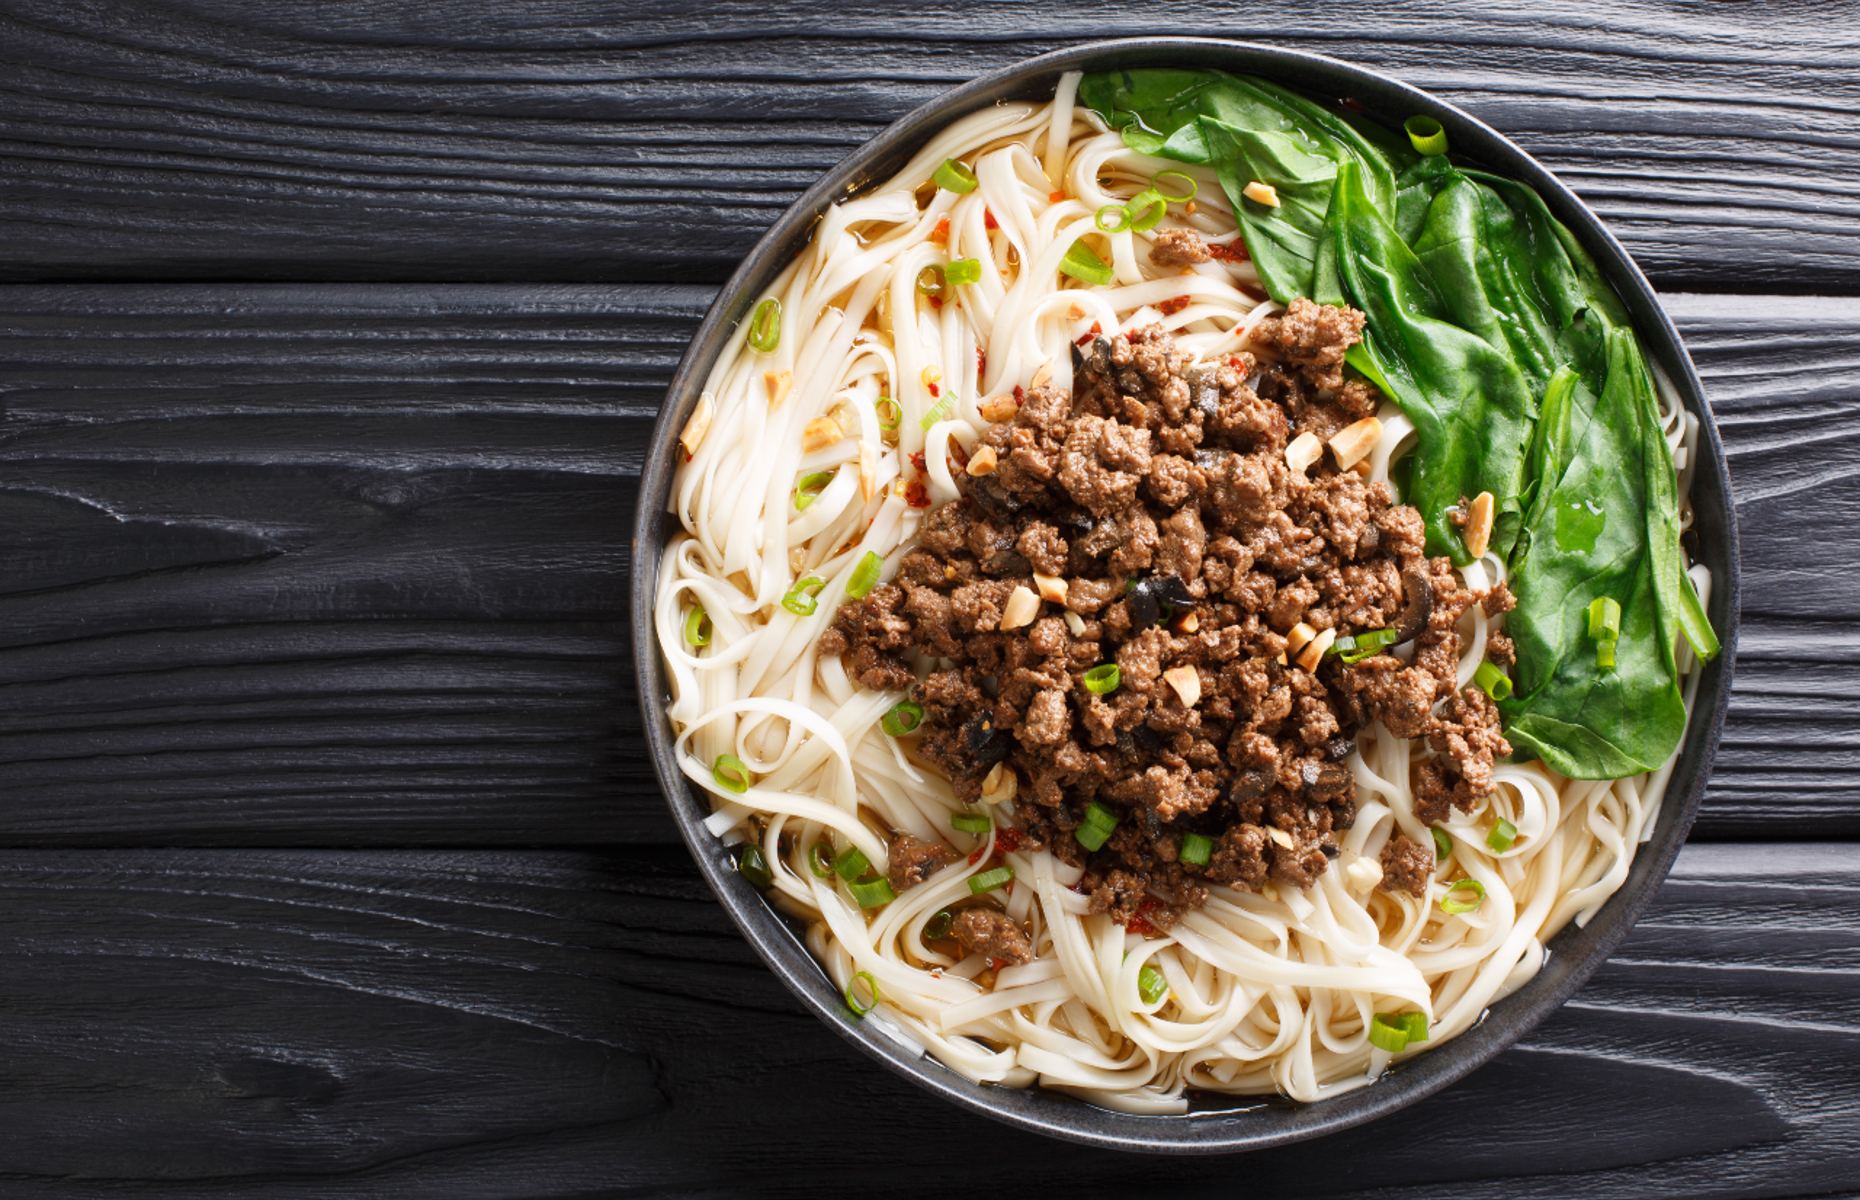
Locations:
column 1428, row 137
column 1196, row 849
column 988, row 881
column 1083, row 264
column 940, row 411
column 865, row 575
column 1147, row 209
column 953, row 176
column 851, row 864
column 1119, row 218
column 1604, row 618
column 939, row 925
column 1151, row 986
column 1156, row 185
column 1388, row 1032
column 765, row 325
column 1449, row 905
column 852, row 993
column 971, row 822
column 1492, row 681
column 872, row 893
column 904, row 717
column 890, row 416
column 820, row 859
column 804, row 597
column 1416, row 1024
column 1443, row 845
column 1503, row 834
column 931, row 281
column 1103, row 679
column 697, row 627
column 1363, row 645
column 731, row 773
column 1097, row 826
column 1605, row 654
column 963, row 270
column 809, row 487
column 752, row 866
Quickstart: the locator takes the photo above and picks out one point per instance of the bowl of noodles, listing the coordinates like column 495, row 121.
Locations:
column 1191, row 590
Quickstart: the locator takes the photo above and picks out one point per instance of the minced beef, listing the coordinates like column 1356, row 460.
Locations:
column 1406, row 866
column 914, row 860
column 993, row 935
column 1158, row 492
column 1179, row 248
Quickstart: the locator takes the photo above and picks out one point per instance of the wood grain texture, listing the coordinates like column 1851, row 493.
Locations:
column 345, row 565
column 545, row 1024
column 578, row 140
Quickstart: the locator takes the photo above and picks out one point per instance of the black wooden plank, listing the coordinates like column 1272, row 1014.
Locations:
column 579, row 141
column 346, row 565
column 256, row 1023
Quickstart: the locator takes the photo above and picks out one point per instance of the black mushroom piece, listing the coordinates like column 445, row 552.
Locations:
column 1157, row 597
column 1417, row 606
column 987, row 743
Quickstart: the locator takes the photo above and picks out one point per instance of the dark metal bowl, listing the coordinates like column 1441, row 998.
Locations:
column 1218, row 1124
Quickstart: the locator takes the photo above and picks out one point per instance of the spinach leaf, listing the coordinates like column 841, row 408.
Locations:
column 1603, row 523
column 1471, row 406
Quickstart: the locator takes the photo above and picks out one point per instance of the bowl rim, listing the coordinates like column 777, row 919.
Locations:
column 1229, row 1123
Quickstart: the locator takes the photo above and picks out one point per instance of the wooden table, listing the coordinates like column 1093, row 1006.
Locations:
column 330, row 341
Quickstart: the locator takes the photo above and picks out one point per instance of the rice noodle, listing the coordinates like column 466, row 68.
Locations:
column 1269, row 992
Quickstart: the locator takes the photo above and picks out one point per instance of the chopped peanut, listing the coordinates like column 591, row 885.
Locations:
column 1362, row 874
column 1021, row 607
column 697, row 426
column 1478, row 531
column 820, row 433
column 1188, row 622
column 1281, row 837
column 1075, row 623
column 1299, row 638
column 1001, row 408
column 1000, row 784
column 1353, row 443
column 982, row 462
column 1314, row 650
column 1261, row 193
column 1052, row 587
column 1304, row 450
column 1187, row 684
column 777, row 383
column 1041, row 377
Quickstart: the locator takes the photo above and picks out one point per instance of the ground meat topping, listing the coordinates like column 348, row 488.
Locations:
column 914, row 860
column 993, row 935
column 1201, row 565
column 1179, row 248
column 1406, row 866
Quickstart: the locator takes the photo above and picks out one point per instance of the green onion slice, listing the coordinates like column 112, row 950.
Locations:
column 1103, row 679
column 1416, row 1024
column 808, row 489
column 1492, row 681
column 865, row 575
column 1443, row 845
column 872, row 893
column 1097, row 827
column 820, row 859
column 1450, row 905
column 988, row 881
column 971, row 822
column 1605, row 655
column 1147, row 209
column 851, row 864
column 1428, row 137
column 1151, row 986
column 1604, row 618
column 939, row 412
column 731, row 773
column 804, row 597
column 1388, row 1031
column 890, row 416
column 1083, row 264
column 697, row 627
column 1112, row 218
column 939, row 925
column 904, row 717
column 1503, row 834
column 765, row 325
column 963, row 270
column 752, row 866
column 1363, row 645
column 932, row 281
column 1196, row 849
column 953, row 176
column 1156, row 185
column 852, row 993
